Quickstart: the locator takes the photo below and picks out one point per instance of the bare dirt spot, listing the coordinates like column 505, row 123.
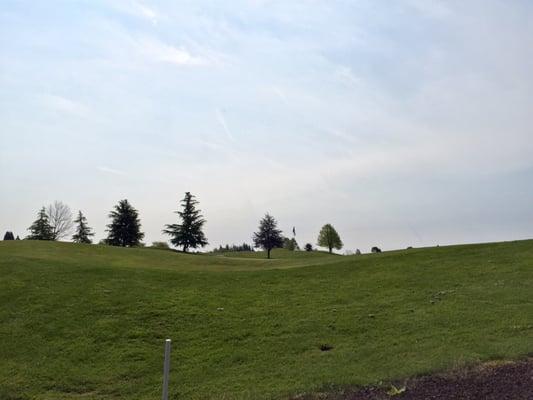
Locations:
column 490, row 381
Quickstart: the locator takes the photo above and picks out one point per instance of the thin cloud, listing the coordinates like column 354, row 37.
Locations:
column 64, row 105
column 222, row 121
column 112, row 171
column 159, row 51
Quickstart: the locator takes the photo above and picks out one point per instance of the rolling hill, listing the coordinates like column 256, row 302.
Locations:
column 89, row 322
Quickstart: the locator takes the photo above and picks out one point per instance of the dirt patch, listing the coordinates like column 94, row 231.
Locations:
column 490, row 381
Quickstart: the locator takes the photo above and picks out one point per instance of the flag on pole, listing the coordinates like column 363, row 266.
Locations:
column 294, row 230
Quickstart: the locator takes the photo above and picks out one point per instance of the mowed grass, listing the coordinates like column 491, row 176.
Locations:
column 89, row 322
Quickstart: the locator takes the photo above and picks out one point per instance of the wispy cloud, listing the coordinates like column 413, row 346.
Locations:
column 109, row 170
column 159, row 51
column 147, row 12
column 222, row 121
column 64, row 105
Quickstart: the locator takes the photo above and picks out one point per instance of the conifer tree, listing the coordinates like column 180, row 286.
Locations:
column 125, row 227
column 9, row 236
column 83, row 232
column 41, row 229
column 187, row 233
column 268, row 237
column 328, row 237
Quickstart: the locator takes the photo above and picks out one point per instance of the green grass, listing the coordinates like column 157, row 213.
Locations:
column 89, row 322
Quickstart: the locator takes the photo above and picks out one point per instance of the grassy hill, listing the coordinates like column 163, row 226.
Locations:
column 88, row 322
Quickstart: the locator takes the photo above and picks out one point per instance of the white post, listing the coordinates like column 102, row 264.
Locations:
column 166, row 369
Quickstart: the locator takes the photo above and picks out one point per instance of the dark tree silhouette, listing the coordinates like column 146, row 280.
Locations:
column 188, row 232
column 125, row 227
column 308, row 247
column 9, row 236
column 83, row 232
column 268, row 237
column 41, row 229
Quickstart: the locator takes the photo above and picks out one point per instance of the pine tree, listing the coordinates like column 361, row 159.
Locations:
column 268, row 237
column 40, row 229
column 83, row 232
column 9, row 236
column 125, row 227
column 187, row 234
column 328, row 237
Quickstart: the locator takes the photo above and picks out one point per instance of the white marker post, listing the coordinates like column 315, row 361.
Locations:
column 166, row 369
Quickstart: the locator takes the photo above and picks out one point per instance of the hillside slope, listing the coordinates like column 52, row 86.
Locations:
column 88, row 322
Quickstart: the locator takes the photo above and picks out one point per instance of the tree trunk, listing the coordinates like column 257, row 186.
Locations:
column 268, row 253
column 330, row 250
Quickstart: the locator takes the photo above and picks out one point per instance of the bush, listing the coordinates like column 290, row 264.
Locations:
column 160, row 245
column 308, row 247
column 376, row 249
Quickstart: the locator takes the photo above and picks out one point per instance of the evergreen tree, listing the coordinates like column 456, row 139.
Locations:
column 125, row 227
column 41, row 229
column 268, row 237
column 187, row 234
column 9, row 236
column 83, row 232
column 328, row 237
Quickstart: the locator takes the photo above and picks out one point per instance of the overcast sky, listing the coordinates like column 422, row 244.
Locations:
column 402, row 123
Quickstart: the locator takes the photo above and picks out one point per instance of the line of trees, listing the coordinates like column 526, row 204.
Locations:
column 56, row 222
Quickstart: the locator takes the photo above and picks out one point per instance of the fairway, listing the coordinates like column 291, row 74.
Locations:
column 89, row 322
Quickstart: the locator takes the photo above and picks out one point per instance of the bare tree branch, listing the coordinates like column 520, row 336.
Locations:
column 60, row 219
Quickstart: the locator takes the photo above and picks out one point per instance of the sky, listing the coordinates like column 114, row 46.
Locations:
column 402, row 123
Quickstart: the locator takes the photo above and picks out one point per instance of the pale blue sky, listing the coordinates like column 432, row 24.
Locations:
column 400, row 122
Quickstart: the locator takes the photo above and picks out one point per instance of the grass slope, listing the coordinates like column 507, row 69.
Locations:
column 88, row 322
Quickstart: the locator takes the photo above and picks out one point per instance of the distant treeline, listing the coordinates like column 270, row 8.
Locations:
column 233, row 247
column 56, row 222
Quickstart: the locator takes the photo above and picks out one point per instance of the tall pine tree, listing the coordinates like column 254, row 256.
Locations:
column 188, row 233
column 83, row 232
column 269, row 236
column 125, row 227
column 41, row 229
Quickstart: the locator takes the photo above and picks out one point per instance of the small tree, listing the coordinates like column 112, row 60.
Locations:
column 187, row 234
column 40, row 229
column 83, row 232
column 268, row 237
column 160, row 245
column 328, row 237
column 60, row 219
column 125, row 227
column 308, row 247
column 9, row 236
column 290, row 244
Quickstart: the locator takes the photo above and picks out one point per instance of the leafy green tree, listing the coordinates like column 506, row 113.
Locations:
column 187, row 234
column 268, row 237
column 290, row 244
column 83, row 232
column 41, row 229
column 125, row 227
column 328, row 237
column 9, row 236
